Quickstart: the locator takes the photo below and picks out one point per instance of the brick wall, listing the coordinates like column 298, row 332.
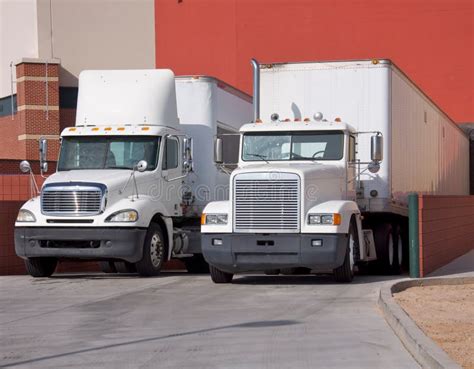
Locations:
column 446, row 230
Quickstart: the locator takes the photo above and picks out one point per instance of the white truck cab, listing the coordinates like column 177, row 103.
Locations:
column 127, row 190
column 293, row 204
column 312, row 193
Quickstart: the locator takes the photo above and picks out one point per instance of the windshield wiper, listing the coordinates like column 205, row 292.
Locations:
column 118, row 167
column 262, row 157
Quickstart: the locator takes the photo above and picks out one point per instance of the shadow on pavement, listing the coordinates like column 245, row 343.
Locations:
column 255, row 324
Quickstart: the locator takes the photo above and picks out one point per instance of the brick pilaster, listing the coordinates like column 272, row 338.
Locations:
column 38, row 106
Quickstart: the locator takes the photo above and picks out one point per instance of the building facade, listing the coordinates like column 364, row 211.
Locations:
column 45, row 44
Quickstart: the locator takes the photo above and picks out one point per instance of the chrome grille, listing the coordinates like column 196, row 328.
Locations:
column 266, row 204
column 72, row 200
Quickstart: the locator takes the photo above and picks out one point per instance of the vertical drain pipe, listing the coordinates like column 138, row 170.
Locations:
column 46, row 88
column 256, row 89
column 11, row 89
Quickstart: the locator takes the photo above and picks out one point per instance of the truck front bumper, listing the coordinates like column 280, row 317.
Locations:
column 80, row 243
column 236, row 253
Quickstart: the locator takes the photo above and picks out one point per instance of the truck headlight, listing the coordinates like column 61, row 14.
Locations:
column 213, row 219
column 127, row 216
column 25, row 216
column 324, row 219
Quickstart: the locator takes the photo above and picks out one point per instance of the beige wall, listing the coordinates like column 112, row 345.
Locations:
column 96, row 34
column 18, row 37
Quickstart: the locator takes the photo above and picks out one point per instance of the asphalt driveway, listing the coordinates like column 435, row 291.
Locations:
column 185, row 321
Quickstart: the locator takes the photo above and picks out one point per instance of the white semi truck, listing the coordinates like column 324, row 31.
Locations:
column 325, row 170
column 128, row 190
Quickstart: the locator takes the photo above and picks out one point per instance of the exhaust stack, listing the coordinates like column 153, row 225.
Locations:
column 256, row 89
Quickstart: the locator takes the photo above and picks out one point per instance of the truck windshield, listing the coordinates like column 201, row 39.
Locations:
column 279, row 146
column 113, row 152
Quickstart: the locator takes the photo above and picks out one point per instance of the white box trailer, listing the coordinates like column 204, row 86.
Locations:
column 129, row 187
column 424, row 150
column 207, row 107
column 325, row 170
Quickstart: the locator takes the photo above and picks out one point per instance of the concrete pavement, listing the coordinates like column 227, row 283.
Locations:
column 185, row 321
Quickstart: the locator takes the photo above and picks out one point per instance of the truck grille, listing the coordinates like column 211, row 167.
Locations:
column 72, row 200
column 266, row 204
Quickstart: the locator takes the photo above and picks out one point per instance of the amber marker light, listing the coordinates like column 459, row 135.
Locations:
column 203, row 219
column 71, row 129
column 145, row 128
column 95, row 129
column 336, row 219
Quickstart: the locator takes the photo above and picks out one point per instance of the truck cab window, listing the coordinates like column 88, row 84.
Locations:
column 107, row 153
column 171, row 153
column 352, row 149
column 279, row 146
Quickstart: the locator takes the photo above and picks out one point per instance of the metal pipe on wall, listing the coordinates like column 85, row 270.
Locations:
column 256, row 89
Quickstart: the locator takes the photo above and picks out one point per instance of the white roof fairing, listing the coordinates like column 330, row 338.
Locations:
column 118, row 97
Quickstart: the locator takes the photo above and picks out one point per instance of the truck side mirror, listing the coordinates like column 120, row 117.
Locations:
column 376, row 148
column 25, row 166
column 141, row 166
column 218, row 153
column 43, row 151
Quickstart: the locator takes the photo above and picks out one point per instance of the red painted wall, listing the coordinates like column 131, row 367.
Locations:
column 430, row 40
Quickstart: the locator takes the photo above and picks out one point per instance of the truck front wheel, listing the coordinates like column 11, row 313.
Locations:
column 345, row 273
column 154, row 252
column 41, row 267
column 218, row 276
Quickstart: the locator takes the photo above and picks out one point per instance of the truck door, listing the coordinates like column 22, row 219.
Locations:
column 172, row 173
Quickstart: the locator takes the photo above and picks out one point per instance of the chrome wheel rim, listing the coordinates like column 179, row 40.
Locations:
column 390, row 249
column 351, row 252
column 156, row 250
column 400, row 251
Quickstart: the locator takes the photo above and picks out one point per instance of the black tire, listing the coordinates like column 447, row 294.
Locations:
column 397, row 258
column 296, row 271
column 41, row 267
column 218, row 276
column 124, row 267
column 345, row 273
column 288, row 271
column 196, row 264
column 107, row 267
column 272, row 271
column 154, row 252
column 386, row 238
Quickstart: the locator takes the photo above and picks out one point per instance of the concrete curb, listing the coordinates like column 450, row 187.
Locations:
column 425, row 351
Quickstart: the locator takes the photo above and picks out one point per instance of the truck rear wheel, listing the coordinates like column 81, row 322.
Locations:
column 154, row 252
column 125, row 267
column 196, row 264
column 387, row 244
column 345, row 273
column 396, row 253
column 218, row 276
column 107, row 267
column 41, row 267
